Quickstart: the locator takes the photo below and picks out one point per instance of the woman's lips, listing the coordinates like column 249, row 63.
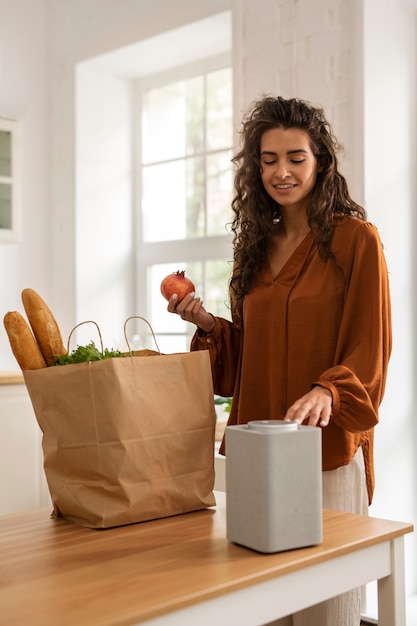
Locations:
column 281, row 189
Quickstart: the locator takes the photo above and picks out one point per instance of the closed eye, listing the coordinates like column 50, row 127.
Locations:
column 272, row 161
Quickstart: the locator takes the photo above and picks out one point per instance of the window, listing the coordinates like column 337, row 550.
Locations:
column 9, row 181
column 184, row 191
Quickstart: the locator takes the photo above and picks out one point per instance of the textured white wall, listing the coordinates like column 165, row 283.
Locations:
column 103, row 222
column 390, row 132
column 23, row 97
column 308, row 50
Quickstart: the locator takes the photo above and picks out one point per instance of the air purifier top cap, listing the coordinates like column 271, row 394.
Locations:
column 272, row 425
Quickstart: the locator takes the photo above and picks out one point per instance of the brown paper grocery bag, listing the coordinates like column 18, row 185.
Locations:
column 127, row 439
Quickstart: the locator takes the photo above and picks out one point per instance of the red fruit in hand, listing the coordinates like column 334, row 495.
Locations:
column 177, row 283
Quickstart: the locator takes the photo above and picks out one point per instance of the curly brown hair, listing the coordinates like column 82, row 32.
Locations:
column 254, row 209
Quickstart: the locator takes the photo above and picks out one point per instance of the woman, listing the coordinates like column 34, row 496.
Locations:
column 310, row 338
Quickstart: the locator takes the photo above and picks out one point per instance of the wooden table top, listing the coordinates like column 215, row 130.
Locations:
column 11, row 378
column 54, row 572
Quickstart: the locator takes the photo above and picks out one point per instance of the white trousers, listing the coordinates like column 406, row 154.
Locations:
column 344, row 489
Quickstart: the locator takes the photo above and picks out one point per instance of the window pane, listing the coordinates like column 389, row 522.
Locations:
column 211, row 279
column 5, row 205
column 194, row 115
column 163, row 202
column 195, row 200
column 217, row 288
column 219, row 109
column 173, row 121
column 173, row 200
column 219, row 192
column 5, row 153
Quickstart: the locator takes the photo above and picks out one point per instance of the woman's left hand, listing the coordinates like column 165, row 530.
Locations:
column 315, row 406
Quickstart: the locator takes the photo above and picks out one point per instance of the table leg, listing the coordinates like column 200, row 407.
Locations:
column 391, row 589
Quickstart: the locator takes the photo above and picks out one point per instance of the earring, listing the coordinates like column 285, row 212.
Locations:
column 276, row 219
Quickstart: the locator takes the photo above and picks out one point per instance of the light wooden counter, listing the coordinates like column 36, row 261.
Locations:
column 183, row 571
column 11, row 378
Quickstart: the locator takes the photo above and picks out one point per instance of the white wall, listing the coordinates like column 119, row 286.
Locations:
column 390, row 88
column 23, row 484
column 310, row 50
column 23, row 96
column 356, row 59
column 104, row 232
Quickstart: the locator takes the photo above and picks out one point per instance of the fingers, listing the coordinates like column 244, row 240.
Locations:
column 179, row 307
column 192, row 310
column 325, row 417
column 172, row 303
column 189, row 309
column 312, row 409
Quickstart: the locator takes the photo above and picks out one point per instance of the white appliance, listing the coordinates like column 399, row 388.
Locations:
column 273, row 485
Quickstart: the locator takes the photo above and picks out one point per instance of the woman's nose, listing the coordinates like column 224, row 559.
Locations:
column 281, row 171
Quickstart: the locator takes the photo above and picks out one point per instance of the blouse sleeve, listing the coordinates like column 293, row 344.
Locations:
column 357, row 380
column 223, row 345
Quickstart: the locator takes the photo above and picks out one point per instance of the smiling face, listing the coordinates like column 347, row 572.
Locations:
column 288, row 167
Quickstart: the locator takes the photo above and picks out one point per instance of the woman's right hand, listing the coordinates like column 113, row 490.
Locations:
column 191, row 310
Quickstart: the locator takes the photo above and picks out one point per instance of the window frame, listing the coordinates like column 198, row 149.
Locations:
column 205, row 248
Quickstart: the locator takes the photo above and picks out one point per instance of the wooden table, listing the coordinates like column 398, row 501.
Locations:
column 11, row 378
column 182, row 571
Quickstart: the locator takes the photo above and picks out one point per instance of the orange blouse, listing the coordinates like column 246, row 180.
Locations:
column 315, row 323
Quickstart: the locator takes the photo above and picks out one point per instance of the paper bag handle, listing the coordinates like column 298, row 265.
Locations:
column 80, row 324
column 144, row 320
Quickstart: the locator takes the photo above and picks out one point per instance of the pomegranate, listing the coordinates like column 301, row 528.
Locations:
column 177, row 283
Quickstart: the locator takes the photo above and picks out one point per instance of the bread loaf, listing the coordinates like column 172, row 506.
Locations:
column 44, row 326
column 23, row 343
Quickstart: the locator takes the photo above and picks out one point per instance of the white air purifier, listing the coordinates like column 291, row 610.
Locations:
column 273, row 485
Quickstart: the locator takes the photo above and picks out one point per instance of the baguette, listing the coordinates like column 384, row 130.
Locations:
column 24, row 345
column 44, row 326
